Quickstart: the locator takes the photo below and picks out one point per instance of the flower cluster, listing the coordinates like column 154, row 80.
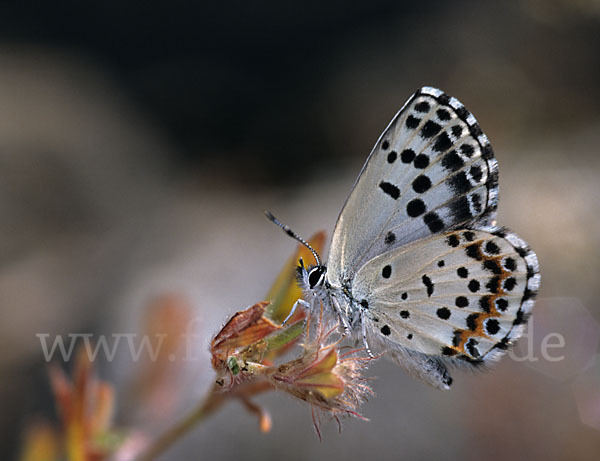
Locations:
column 252, row 347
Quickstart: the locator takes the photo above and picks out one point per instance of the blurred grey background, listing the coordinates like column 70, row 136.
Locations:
column 140, row 142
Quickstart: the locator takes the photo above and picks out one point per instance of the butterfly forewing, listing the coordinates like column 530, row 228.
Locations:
column 431, row 170
column 462, row 294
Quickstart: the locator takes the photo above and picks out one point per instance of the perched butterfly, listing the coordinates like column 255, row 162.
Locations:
column 417, row 265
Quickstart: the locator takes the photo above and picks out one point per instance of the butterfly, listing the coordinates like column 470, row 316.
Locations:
column 417, row 265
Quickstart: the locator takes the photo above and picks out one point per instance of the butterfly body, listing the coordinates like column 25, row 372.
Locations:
column 417, row 266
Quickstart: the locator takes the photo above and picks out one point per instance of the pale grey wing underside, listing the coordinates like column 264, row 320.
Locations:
column 430, row 171
column 463, row 294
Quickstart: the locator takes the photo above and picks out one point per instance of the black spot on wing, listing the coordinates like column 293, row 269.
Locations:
column 430, row 129
column 453, row 240
column 474, row 286
column 510, row 264
column 442, row 143
column 510, row 283
column 392, row 156
column 412, row 122
column 421, row 161
column 415, row 207
column 462, row 272
column 467, row 149
column 421, row 184
column 471, row 347
column 407, row 155
column 423, row 107
column 404, row 314
column 492, row 326
column 501, row 304
column 390, row 238
column 485, row 303
column 461, row 301
column 473, row 251
column 452, row 161
column 386, row 272
column 469, row 236
column 390, row 189
column 493, row 284
column 443, row 313
column 459, row 183
column 491, row 248
column 476, row 173
column 460, row 209
column 492, row 265
column 385, row 144
column 443, row 114
column 472, row 321
column 457, row 131
column 433, row 221
column 385, row 330
column 428, row 284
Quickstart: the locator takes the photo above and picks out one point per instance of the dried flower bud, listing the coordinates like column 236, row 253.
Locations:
column 326, row 378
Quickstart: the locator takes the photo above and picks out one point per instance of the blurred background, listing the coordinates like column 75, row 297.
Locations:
column 141, row 142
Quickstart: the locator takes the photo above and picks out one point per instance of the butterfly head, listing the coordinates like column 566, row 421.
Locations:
column 316, row 276
column 312, row 277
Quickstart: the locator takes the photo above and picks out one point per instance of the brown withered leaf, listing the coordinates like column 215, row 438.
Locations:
column 243, row 329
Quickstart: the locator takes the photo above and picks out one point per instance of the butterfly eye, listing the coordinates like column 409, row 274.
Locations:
column 315, row 276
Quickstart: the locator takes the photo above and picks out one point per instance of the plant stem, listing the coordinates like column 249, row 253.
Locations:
column 212, row 402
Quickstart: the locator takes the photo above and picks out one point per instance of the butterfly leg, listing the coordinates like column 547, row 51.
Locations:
column 298, row 302
column 364, row 334
column 343, row 318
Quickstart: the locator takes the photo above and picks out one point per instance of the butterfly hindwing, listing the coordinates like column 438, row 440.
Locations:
column 462, row 294
column 431, row 170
